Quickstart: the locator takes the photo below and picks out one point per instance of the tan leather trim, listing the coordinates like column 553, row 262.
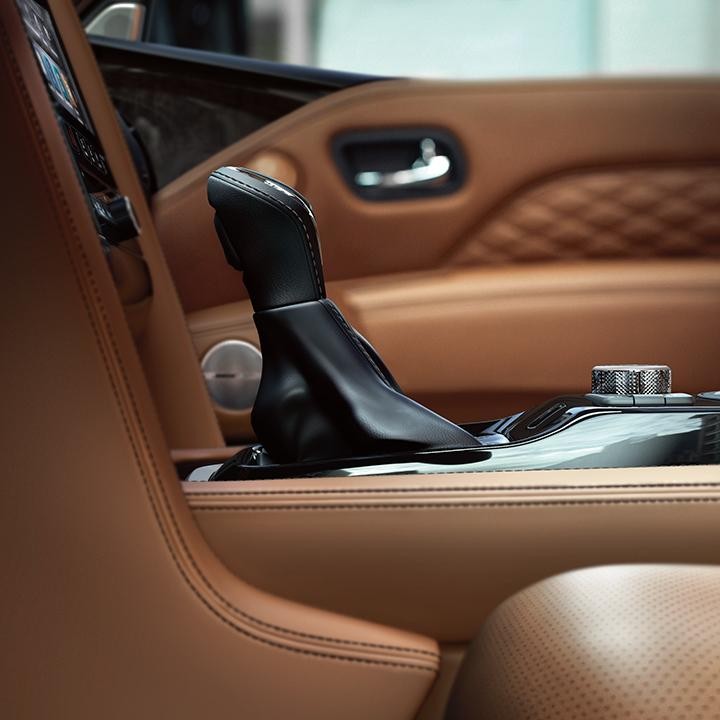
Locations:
column 476, row 537
column 275, row 165
column 634, row 641
column 113, row 587
column 626, row 213
column 161, row 333
column 542, row 328
column 434, row 706
column 491, row 342
column 516, row 135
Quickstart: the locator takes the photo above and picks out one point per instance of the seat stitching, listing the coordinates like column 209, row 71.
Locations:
column 454, row 506
column 39, row 137
column 356, row 344
column 439, row 490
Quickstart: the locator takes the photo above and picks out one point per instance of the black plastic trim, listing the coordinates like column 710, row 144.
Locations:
column 318, row 78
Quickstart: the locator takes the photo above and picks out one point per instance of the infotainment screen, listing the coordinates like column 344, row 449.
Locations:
column 45, row 43
column 112, row 211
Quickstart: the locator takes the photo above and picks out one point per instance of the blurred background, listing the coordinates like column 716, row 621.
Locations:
column 435, row 38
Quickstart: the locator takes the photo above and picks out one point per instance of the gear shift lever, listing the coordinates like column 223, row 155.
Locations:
column 324, row 392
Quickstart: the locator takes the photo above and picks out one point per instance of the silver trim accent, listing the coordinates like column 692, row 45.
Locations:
column 131, row 213
column 202, row 473
column 232, row 371
column 428, row 168
column 128, row 18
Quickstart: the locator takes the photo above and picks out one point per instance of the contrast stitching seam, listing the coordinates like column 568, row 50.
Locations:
column 453, row 506
column 100, row 307
column 234, row 181
column 440, row 490
column 342, row 323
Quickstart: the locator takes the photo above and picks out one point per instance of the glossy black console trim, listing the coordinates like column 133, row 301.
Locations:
column 626, row 437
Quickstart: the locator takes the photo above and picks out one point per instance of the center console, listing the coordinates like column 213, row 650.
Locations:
column 327, row 405
column 581, row 431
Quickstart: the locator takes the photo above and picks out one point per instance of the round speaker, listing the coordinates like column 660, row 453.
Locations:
column 232, row 371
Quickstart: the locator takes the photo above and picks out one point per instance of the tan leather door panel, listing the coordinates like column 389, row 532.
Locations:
column 557, row 172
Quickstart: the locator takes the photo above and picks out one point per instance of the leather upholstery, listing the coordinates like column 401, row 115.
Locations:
column 113, row 605
column 636, row 134
column 634, row 642
column 435, row 554
column 627, row 214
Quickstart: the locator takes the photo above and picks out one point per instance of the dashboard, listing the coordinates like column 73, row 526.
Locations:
column 112, row 211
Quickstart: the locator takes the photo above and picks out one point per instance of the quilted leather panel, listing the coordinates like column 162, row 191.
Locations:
column 657, row 212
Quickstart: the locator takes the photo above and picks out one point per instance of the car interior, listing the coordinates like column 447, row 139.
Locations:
column 405, row 404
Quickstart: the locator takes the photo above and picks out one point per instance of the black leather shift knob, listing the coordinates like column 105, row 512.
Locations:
column 268, row 231
column 324, row 392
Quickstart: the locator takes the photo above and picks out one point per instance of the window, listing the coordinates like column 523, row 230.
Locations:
column 440, row 38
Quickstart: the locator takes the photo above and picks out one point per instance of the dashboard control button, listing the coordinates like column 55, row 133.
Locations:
column 611, row 400
column 646, row 400
column 116, row 218
column 679, row 399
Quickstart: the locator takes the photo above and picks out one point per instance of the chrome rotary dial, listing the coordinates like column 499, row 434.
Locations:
column 631, row 379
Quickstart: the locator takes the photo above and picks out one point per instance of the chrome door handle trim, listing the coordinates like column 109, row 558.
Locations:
column 426, row 169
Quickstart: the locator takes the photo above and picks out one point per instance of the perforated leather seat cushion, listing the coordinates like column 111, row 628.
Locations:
column 638, row 641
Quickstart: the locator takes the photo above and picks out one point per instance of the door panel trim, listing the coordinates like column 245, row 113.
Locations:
column 551, row 127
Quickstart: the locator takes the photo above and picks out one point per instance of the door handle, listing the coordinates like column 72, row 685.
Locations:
column 428, row 168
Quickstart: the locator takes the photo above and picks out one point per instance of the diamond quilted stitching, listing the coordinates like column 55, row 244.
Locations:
column 608, row 214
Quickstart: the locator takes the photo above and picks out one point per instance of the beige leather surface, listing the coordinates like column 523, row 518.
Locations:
column 492, row 341
column 113, row 606
column 634, row 642
column 594, row 158
column 436, row 553
column 451, row 656
column 157, row 320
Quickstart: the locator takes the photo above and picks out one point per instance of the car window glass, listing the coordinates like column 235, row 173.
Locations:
column 437, row 38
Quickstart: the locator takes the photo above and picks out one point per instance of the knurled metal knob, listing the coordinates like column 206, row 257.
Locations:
column 631, row 379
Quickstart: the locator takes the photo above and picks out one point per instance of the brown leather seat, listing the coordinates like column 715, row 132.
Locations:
column 626, row 641
column 116, row 606
column 113, row 606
